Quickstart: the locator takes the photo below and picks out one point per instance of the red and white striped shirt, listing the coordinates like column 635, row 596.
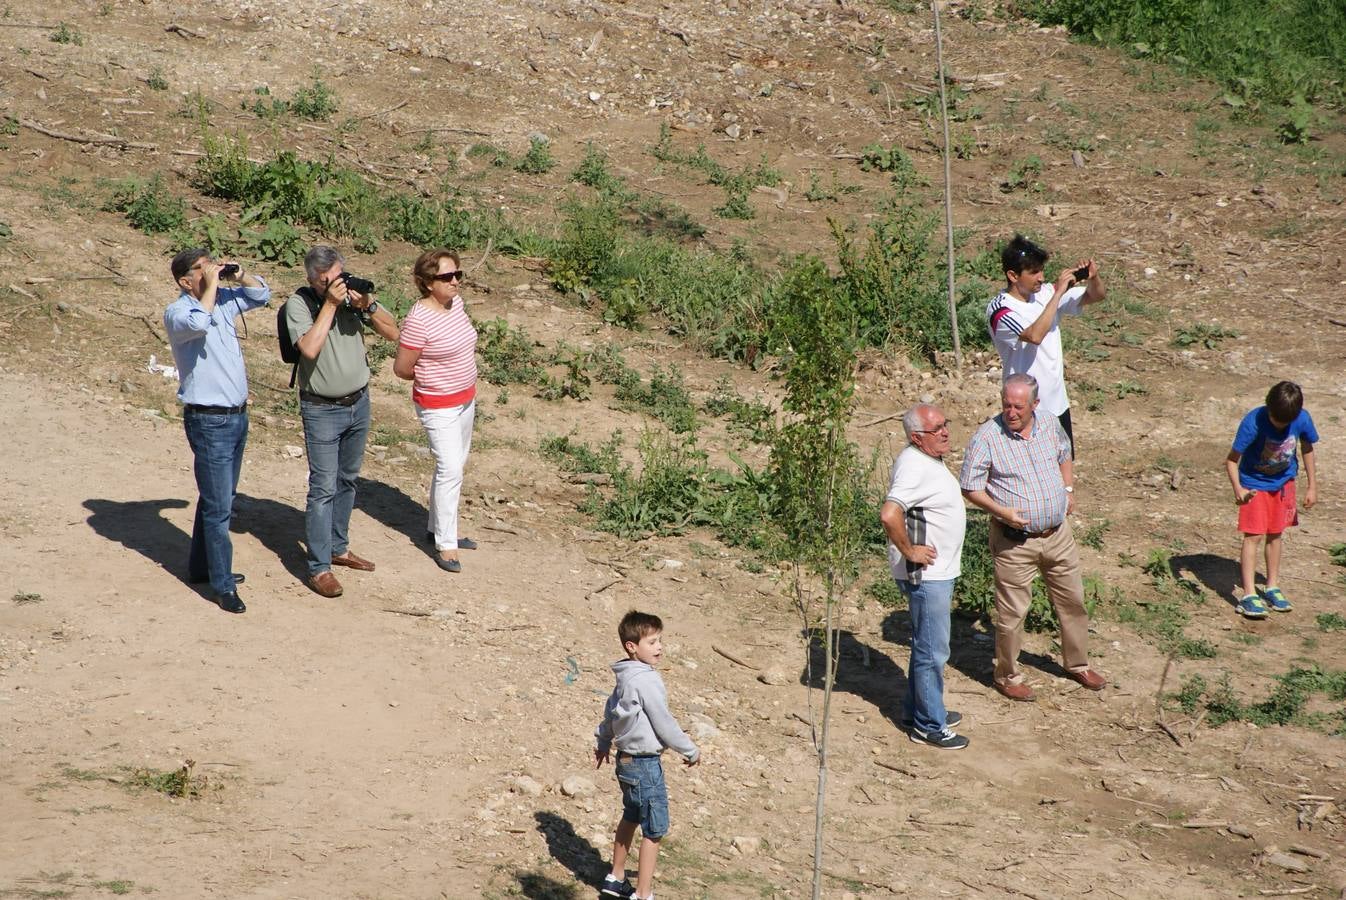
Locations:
column 446, row 372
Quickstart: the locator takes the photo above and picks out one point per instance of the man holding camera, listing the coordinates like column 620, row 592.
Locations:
column 1025, row 320
column 326, row 320
column 213, row 389
column 1018, row 468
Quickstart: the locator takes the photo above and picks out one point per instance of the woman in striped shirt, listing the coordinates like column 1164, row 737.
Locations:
column 437, row 354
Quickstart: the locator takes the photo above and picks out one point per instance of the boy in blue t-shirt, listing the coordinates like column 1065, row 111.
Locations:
column 1262, row 466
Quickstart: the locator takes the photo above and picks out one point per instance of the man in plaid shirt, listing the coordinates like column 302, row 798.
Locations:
column 1018, row 468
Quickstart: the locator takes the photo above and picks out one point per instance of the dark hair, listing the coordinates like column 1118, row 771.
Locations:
column 183, row 262
column 636, row 625
column 1284, row 401
column 426, row 267
column 1021, row 255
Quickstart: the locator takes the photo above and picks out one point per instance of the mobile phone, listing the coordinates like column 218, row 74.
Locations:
column 229, row 270
column 1081, row 273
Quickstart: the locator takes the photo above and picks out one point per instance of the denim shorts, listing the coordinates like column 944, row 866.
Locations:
column 644, row 794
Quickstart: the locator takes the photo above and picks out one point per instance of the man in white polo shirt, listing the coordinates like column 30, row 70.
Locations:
column 925, row 520
column 1025, row 321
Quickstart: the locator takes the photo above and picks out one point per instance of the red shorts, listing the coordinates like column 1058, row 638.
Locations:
column 1269, row 512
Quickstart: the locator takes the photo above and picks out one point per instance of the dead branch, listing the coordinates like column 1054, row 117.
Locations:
column 407, row 612
column 28, row 25
column 493, row 526
column 485, row 253
column 143, row 317
column 1169, row 731
column 182, row 31
column 382, row 112
column 880, row 419
column 101, row 140
column 733, row 659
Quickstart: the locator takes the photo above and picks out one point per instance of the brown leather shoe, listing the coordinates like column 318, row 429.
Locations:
column 325, row 584
column 1018, row 691
column 1089, row 678
column 351, row 561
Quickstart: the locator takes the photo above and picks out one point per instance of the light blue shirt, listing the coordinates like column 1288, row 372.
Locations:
column 205, row 345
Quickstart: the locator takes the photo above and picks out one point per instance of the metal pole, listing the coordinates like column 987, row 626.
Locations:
column 948, row 188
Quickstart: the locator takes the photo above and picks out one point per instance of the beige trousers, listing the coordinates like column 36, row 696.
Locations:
column 1016, row 564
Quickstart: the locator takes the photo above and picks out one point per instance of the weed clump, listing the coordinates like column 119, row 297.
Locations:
column 147, row 204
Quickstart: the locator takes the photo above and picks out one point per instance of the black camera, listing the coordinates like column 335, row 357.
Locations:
column 230, row 270
column 356, row 283
column 1081, row 273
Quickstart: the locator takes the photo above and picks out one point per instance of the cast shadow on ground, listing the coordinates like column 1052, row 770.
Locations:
column 862, row 670
column 1219, row 574
column 395, row 511
column 570, row 850
column 277, row 526
column 140, row 525
column 536, row 886
column 969, row 651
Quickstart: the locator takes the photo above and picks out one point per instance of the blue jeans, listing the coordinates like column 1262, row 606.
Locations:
column 930, row 603
column 335, row 440
column 644, row 794
column 217, row 443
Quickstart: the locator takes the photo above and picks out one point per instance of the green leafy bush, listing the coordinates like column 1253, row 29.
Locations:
column 147, row 204
column 538, row 160
column 1272, row 52
column 67, row 34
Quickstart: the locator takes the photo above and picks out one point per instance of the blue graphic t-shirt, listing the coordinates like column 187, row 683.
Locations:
column 1269, row 458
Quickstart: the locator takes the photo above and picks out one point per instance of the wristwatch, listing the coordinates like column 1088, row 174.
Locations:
column 372, row 308
column 1070, row 489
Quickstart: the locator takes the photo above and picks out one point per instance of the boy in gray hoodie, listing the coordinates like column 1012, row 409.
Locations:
column 637, row 719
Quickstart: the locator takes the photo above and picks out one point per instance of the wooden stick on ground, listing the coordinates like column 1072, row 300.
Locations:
column 382, row 112
column 183, row 32
column 101, row 140
column 733, row 659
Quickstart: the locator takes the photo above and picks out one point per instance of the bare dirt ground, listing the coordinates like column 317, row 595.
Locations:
column 411, row 738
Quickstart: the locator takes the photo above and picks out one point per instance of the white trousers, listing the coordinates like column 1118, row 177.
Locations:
column 450, row 433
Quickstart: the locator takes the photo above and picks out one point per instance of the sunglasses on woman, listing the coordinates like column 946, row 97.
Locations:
column 455, row 275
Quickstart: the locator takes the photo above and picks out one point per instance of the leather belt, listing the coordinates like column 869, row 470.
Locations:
column 349, row 400
column 1018, row 534
column 622, row 754
column 215, row 410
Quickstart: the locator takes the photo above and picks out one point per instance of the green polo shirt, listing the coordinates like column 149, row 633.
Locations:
column 341, row 366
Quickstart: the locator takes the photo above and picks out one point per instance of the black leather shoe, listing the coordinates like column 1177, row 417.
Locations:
column 230, row 602
column 238, row 579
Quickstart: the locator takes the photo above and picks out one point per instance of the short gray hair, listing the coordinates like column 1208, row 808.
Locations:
column 320, row 259
column 913, row 420
column 1024, row 379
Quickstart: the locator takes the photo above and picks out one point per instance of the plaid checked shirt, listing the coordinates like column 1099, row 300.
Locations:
column 1021, row 473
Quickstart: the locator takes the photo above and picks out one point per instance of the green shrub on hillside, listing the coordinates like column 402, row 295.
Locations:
column 1274, row 51
column 147, row 204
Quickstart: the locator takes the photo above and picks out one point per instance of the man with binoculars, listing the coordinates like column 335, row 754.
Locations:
column 326, row 320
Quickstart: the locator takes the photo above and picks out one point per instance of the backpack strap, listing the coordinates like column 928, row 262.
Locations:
column 314, row 303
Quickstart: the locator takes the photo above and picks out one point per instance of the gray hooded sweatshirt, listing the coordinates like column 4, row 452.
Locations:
column 636, row 716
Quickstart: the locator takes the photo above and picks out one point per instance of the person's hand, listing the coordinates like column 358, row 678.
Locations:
column 921, row 554
column 1070, row 503
column 1311, row 497
column 600, row 757
column 693, row 762
column 1093, row 269
column 1242, row 495
column 359, row 301
column 210, row 274
column 1015, row 519
column 336, row 292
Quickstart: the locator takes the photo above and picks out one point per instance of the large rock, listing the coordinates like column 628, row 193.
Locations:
column 577, row 786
